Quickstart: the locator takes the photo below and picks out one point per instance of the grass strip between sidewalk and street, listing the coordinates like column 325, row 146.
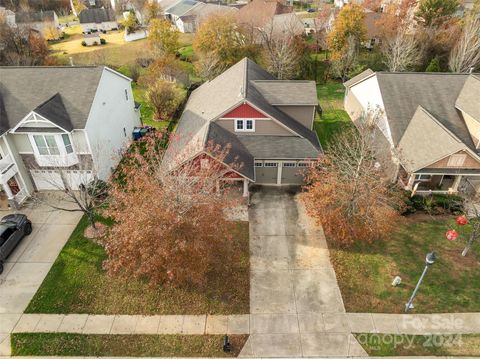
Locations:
column 67, row 344
column 420, row 345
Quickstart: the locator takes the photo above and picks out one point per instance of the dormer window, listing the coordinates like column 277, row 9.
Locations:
column 245, row 125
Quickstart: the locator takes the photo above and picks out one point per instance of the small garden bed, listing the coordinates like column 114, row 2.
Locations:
column 365, row 271
column 63, row 344
column 77, row 283
column 420, row 345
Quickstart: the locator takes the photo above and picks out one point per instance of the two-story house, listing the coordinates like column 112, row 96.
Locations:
column 429, row 123
column 267, row 123
column 61, row 124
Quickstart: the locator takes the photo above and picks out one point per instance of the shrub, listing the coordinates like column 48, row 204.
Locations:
column 95, row 43
column 434, row 65
column 436, row 203
column 84, row 43
column 103, row 41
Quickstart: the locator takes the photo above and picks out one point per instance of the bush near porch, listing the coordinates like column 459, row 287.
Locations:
column 77, row 283
column 365, row 271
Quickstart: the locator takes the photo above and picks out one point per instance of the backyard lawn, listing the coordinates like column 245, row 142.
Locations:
column 419, row 345
column 64, row 344
column 365, row 271
column 77, row 283
column 146, row 110
column 334, row 119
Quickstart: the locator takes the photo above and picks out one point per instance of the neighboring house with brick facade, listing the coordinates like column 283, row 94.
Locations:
column 429, row 122
column 61, row 124
column 267, row 123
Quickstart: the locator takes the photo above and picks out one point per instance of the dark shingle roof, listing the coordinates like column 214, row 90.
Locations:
column 402, row 93
column 24, row 89
column 281, row 147
column 54, row 110
column 238, row 154
column 182, row 7
column 286, row 92
column 255, row 72
column 27, row 17
column 96, row 16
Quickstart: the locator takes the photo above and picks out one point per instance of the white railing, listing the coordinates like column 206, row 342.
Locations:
column 5, row 164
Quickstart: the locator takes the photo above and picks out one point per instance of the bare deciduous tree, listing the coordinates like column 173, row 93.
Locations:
column 282, row 46
column 347, row 190
column 348, row 58
column 400, row 50
column 82, row 190
column 465, row 55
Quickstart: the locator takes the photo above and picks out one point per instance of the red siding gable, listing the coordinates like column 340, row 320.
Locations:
column 244, row 111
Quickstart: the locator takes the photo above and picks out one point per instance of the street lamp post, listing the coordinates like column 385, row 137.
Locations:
column 429, row 260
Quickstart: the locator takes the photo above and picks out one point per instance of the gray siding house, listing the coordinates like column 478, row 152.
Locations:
column 61, row 126
column 266, row 122
column 429, row 125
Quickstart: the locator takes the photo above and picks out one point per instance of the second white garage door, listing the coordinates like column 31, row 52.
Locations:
column 51, row 180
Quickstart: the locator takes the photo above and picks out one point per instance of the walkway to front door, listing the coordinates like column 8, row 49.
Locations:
column 295, row 300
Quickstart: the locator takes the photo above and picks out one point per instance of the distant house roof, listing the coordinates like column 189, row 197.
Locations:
column 182, row 7
column 29, row 17
column 203, row 10
column 91, row 4
column 97, row 16
column 259, row 12
column 243, row 82
column 63, row 95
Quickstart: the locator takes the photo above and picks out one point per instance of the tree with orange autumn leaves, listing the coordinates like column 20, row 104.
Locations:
column 348, row 194
column 169, row 226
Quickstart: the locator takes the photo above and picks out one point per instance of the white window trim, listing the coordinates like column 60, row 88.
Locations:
column 426, row 177
column 62, row 159
column 244, row 121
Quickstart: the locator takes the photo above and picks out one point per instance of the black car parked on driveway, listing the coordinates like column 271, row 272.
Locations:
column 12, row 230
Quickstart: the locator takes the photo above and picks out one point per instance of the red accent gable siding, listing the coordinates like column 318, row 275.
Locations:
column 244, row 111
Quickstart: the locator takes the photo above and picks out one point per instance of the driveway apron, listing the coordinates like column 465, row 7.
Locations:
column 293, row 284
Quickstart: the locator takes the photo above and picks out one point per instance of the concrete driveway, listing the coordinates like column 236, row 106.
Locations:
column 28, row 265
column 295, row 302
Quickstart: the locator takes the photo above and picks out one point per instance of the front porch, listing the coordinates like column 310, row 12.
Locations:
column 446, row 181
column 13, row 192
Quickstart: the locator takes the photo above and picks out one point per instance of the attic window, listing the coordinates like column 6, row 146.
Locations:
column 245, row 125
column 456, row 160
column 126, row 94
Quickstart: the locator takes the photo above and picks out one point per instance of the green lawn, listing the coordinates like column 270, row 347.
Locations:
column 77, row 283
column 186, row 51
column 146, row 110
column 331, row 123
column 63, row 344
column 419, row 345
column 334, row 119
column 365, row 271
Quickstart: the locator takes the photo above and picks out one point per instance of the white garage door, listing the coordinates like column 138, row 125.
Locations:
column 52, row 180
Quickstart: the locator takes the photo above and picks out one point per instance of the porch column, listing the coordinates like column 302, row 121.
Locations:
column 411, row 179
column 7, row 190
column 456, row 183
column 245, row 188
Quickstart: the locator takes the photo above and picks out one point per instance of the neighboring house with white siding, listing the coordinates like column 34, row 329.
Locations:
column 61, row 124
column 92, row 20
column 429, row 123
